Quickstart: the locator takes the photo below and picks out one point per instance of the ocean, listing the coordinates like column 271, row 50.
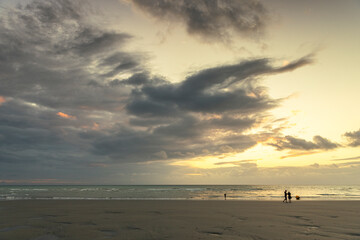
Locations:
column 178, row 192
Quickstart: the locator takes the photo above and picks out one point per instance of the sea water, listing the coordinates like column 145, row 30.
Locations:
column 178, row 192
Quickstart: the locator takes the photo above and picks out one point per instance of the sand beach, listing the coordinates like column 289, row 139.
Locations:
column 109, row 219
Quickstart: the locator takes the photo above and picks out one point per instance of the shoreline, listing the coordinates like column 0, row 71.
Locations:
column 178, row 192
column 185, row 200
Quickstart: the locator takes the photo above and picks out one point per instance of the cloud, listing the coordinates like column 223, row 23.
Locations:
column 300, row 147
column 64, row 115
column 211, row 20
column 210, row 109
column 353, row 138
column 33, row 134
column 293, row 143
column 290, row 66
column 34, row 181
column 344, row 159
column 56, row 65
column 249, row 174
column 219, row 89
column 351, row 163
column 138, row 79
column 2, row 100
column 53, row 62
column 181, row 140
column 239, row 162
column 53, row 55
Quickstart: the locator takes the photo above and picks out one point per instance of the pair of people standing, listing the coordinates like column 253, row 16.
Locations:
column 287, row 195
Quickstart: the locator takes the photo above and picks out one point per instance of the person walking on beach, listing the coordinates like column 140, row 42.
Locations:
column 225, row 196
column 289, row 197
column 285, row 196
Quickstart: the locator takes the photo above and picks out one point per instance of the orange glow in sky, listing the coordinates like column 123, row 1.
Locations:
column 2, row 100
column 64, row 115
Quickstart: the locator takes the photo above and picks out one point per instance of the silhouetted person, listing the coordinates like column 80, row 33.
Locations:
column 225, row 196
column 285, row 196
column 289, row 197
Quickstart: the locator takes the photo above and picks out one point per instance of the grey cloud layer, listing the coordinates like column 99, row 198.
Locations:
column 211, row 19
column 205, row 114
column 353, row 137
column 289, row 142
column 47, row 49
column 319, row 143
column 53, row 60
column 219, row 89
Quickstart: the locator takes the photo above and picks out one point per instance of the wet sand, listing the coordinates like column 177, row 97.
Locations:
column 86, row 219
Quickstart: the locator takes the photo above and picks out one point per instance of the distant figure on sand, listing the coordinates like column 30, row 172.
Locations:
column 285, row 196
column 225, row 196
column 289, row 197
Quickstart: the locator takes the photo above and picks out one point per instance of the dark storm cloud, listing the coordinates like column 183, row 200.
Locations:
column 31, row 134
column 181, row 140
column 138, row 79
column 48, row 93
column 121, row 62
column 179, row 118
column 146, row 108
column 232, row 123
column 22, row 114
column 92, row 43
column 47, row 49
column 289, row 142
column 57, row 27
column 214, row 90
column 211, row 19
column 353, row 137
column 20, row 137
column 148, row 122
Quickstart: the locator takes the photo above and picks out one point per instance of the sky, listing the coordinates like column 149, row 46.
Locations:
column 179, row 92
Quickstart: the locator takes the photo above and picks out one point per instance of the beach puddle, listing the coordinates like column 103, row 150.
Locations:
column 354, row 234
column 300, row 217
column 108, row 232
column 133, row 228
column 89, row 223
column 215, row 233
